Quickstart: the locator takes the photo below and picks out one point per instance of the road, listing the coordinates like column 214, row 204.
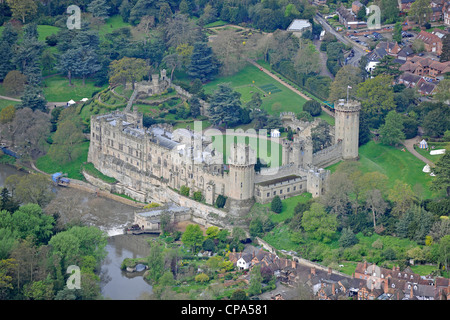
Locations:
column 358, row 50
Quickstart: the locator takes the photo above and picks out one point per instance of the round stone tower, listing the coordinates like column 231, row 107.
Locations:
column 347, row 127
column 241, row 176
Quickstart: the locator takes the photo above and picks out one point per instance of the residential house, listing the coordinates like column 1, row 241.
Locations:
column 409, row 79
column 244, row 262
column 356, row 6
column 392, row 48
column 446, row 13
column 405, row 5
column 348, row 18
column 425, row 88
column 432, row 42
column 435, row 14
column 426, row 67
column 405, row 53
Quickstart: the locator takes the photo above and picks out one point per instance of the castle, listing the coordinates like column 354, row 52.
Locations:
column 148, row 161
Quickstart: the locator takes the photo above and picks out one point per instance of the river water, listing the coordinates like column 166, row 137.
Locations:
column 75, row 205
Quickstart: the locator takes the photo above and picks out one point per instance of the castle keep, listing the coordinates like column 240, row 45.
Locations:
column 148, row 161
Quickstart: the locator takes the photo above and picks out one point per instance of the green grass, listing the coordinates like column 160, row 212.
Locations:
column 43, row 31
column 57, row 89
column 111, row 24
column 426, row 153
column 218, row 23
column 73, row 168
column 396, row 165
column 423, row 270
column 249, row 80
column 90, row 169
column 263, row 148
column 289, row 205
column 4, row 103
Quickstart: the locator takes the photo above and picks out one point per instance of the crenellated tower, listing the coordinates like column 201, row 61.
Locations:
column 347, row 127
column 242, row 160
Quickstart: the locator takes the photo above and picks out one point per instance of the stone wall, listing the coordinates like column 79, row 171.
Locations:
column 328, row 156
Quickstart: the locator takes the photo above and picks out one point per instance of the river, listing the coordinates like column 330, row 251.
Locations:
column 74, row 205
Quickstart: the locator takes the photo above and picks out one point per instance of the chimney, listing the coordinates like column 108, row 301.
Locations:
column 313, row 270
column 333, row 289
column 329, row 271
column 412, row 291
column 386, row 286
column 365, row 265
column 293, row 264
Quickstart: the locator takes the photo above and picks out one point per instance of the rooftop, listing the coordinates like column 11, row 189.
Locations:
column 298, row 25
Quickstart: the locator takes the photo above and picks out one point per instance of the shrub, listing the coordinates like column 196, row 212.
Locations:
column 220, row 201
column 198, row 196
column 184, row 191
column 202, row 277
column 312, row 107
column 276, row 205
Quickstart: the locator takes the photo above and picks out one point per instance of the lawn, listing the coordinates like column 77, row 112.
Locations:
column 111, row 24
column 4, row 103
column 43, row 31
column 250, row 80
column 73, row 168
column 57, row 89
column 396, row 165
column 263, row 147
column 437, row 145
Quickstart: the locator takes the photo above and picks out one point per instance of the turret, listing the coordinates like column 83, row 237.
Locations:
column 242, row 162
column 347, row 127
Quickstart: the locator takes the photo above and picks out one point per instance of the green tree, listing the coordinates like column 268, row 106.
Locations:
column 256, row 279
column 225, row 106
column 155, row 262
column 442, row 171
column 444, row 251
column 127, row 70
column 276, row 205
column 32, row 188
column 397, row 35
column 21, row 9
column 99, row 9
column 420, row 10
column 403, row 197
column 184, row 191
column 391, row 131
column 203, row 65
column 377, row 98
column 318, row 224
column 347, row 76
column 193, row 237
column 347, row 238
column 65, row 141
column 7, row 43
column 313, row 107
column 220, row 201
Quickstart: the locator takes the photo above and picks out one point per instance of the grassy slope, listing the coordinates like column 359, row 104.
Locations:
column 243, row 83
column 57, row 89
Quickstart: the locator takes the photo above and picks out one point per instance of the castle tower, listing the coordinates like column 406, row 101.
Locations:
column 241, row 181
column 347, row 127
column 317, row 181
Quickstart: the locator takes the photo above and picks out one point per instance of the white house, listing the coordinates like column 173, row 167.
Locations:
column 244, row 262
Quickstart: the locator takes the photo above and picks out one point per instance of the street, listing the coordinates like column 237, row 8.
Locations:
column 359, row 52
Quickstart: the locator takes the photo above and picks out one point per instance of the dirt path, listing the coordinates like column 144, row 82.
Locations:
column 409, row 144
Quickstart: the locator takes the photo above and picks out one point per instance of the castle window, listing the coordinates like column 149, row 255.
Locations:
column 281, row 191
column 241, row 184
column 288, row 189
column 268, row 194
column 274, row 193
column 295, row 188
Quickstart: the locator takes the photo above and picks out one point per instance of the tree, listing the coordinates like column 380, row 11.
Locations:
column 256, row 279
column 239, row 294
column 65, row 141
column 22, row 8
column 142, row 8
column 376, row 203
column 403, row 197
column 444, row 251
column 193, row 237
column 7, row 43
column 320, row 136
column 204, row 65
column 437, row 120
column 155, row 262
column 392, row 131
column 347, row 238
column 33, row 98
column 443, row 89
column 307, row 59
column 313, row 107
column 397, row 35
column 445, row 56
column 387, row 66
column 220, row 201
column 442, row 172
column 99, row 9
column 31, row 188
column 420, row 10
column 377, row 98
column 276, row 205
column 184, row 191
column 225, row 106
column 318, row 224
column 127, row 70
column 345, row 77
